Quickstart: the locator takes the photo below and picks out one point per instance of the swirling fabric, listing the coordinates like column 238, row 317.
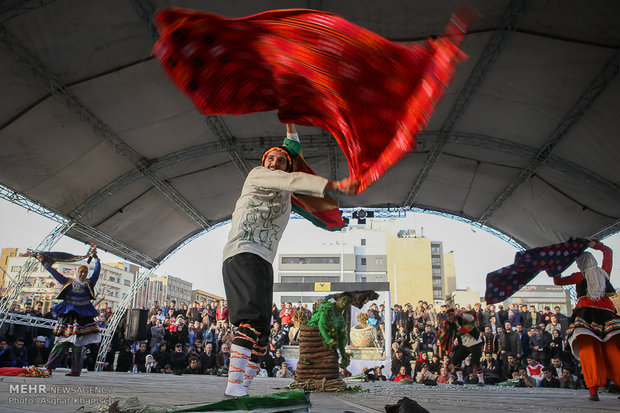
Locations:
column 316, row 69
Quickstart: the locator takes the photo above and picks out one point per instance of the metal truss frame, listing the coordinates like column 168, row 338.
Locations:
column 506, row 26
column 62, row 92
column 594, row 89
column 16, row 286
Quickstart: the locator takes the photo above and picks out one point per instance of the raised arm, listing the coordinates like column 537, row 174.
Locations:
column 57, row 276
column 95, row 277
column 607, row 255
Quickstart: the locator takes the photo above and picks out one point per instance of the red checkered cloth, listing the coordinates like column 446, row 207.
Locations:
column 317, row 69
column 556, row 258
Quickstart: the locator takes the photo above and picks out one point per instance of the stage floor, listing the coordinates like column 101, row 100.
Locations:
column 68, row 394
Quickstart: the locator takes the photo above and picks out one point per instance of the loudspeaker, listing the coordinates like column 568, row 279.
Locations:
column 137, row 319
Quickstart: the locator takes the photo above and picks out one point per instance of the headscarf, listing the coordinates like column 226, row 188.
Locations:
column 595, row 276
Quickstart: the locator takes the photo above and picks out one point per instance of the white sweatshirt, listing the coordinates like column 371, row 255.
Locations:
column 264, row 208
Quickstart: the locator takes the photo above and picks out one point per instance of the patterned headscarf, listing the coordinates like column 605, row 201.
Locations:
column 595, row 276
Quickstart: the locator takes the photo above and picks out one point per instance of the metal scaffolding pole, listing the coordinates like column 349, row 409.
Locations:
column 17, row 285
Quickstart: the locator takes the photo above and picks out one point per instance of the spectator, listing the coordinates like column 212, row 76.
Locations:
column 415, row 339
column 534, row 369
column 207, row 360
column 193, row 366
column 554, row 324
column 221, row 313
column 400, row 360
column 222, row 360
column 161, row 355
column 429, row 340
column 38, row 353
column 444, row 376
column 423, row 361
column 157, row 335
column 375, row 374
column 525, row 342
column 435, row 364
column 512, row 366
column 178, row 359
column 539, row 343
column 267, row 363
column 423, row 375
column 490, row 341
column 525, row 380
column 277, row 360
column 286, row 315
column 568, row 381
column 491, row 369
column 140, row 358
column 546, row 316
column 124, row 363
column 402, row 337
column 151, row 365
column 548, row 380
column 193, row 314
column 284, row 372
column 16, row 355
column 502, row 315
column 509, row 342
column 402, row 374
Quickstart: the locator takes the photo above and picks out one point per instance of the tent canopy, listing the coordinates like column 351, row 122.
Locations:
column 525, row 141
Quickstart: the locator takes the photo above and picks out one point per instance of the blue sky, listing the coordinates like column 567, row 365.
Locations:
column 476, row 251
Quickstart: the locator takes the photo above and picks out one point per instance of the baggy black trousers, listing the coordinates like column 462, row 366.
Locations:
column 248, row 283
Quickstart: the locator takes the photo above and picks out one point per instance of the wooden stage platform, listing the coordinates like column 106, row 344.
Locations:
column 69, row 394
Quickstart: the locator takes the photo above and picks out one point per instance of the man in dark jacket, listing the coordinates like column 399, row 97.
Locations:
column 509, row 342
column 178, row 359
column 38, row 353
column 400, row 360
column 16, row 355
column 540, row 345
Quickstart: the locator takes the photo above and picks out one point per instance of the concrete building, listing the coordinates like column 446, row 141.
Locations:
column 358, row 257
column 199, row 296
column 541, row 296
column 464, row 297
column 114, row 283
column 415, row 267
column 162, row 288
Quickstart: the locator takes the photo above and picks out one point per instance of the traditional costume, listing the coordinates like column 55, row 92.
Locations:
column 594, row 330
column 260, row 217
column 76, row 314
column 464, row 330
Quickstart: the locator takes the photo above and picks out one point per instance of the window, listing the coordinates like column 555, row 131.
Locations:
column 436, row 270
column 363, row 260
column 112, row 279
column 379, row 260
column 436, row 293
column 127, row 282
column 360, row 278
column 363, row 241
column 16, row 268
column 436, row 260
column 436, row 282
column 435, row 250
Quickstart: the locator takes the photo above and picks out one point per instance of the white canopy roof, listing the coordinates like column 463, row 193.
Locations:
column 526, row 139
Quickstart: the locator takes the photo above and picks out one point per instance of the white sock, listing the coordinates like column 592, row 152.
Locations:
column 459, row 375
column 250, row 372
column 239, row 357
column 480, row 378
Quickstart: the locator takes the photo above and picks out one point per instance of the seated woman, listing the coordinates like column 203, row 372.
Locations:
column 402, row 374
column 423, row 361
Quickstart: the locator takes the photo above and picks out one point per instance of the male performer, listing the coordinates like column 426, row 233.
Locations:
column 261, row 214
column 462, row 327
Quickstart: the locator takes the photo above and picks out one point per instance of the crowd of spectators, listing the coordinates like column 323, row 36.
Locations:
column 521, row 345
